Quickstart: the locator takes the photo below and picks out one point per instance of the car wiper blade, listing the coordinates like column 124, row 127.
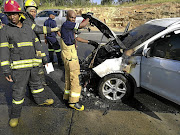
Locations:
column 127, row 28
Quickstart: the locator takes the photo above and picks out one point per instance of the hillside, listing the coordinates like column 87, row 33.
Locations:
column 118, row 17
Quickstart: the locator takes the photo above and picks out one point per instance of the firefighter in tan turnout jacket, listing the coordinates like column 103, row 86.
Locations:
column 21, row 54
column 72, row 90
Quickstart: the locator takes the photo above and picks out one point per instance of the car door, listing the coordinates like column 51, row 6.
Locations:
column 58, row 17
column 160, row 72
column 41, row 17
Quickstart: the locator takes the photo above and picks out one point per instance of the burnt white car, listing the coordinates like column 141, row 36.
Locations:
column 60, row 18
column 154, row 65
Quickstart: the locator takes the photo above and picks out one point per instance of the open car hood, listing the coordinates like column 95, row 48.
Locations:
column 104, row 29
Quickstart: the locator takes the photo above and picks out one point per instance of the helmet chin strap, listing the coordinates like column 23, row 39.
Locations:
column 21, row 16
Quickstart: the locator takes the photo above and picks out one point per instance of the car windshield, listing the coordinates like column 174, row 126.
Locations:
column 140, row 34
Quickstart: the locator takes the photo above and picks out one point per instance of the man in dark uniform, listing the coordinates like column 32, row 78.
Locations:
column 72, row 89
column 3, row 18
column 21, row 54
column 53, row 44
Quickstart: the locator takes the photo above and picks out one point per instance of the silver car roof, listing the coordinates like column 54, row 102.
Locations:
column 164, row 22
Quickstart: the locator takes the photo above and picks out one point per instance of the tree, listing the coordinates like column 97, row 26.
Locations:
column 106, row 2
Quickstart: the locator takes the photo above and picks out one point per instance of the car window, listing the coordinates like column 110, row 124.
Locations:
column 45, row 13
column 167, row 47
column 57, row 12
column 64, row 13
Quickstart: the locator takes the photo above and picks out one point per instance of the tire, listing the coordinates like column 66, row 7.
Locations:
column 115, row 87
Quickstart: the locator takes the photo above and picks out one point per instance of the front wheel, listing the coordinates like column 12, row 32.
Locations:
column 115, row 87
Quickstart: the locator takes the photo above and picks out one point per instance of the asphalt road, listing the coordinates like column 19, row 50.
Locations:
column 144, row 101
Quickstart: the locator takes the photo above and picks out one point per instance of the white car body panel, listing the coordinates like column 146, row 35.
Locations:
column 108, row 66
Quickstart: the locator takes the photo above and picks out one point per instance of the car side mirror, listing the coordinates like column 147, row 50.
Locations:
column 147, row 52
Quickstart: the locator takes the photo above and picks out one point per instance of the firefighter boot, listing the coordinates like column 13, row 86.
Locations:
column 48, row 102
column 77, row 106
column 14, row 122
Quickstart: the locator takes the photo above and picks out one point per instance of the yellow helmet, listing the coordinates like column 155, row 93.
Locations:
column 30, row 3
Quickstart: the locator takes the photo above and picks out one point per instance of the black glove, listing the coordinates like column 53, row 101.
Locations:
column 95, row 44
column 89, row 15
column 7, row 74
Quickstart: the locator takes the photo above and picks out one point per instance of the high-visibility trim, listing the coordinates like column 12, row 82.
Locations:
column 66, row 91
column 24, row 44
column 25, row 66
column 43, row 54
column 33, row 26
column 19, row 62
column 5, row 63
column 11, row 46
column 26, row 63
column 44, row 29
column 76, row 26
column 37, row 91
column 5, row 44
column 51, row 50
column 59, row 50
column 18, row 102
column 74, row 94
column 36, row 39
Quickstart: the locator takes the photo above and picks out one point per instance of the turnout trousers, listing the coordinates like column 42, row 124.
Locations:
column 21, row 78
column 55, row 47
column 72, row 89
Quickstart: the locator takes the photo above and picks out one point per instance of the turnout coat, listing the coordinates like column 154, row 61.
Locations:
column 20, row 49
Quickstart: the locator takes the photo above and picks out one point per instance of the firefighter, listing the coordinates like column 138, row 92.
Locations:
column 21, row 54
column 72, row 89
column 53, row 44
column 30, row 8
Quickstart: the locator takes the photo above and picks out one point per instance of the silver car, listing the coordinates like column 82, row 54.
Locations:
column 155, row 64
column 60, row 18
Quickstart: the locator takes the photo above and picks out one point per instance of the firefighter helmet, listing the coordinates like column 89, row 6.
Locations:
column 30, row 3
column 12, row 6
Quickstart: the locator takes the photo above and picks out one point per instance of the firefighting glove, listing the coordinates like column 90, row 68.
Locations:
column 95, row 44
column 55, row 29
column 44, row 60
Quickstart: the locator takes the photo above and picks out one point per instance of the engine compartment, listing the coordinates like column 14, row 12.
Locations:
column 103, row 52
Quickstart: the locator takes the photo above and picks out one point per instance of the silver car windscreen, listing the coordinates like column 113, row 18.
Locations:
column 140, row 34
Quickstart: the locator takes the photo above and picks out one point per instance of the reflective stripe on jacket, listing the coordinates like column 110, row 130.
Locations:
column 36, row 28
column 20, row 48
